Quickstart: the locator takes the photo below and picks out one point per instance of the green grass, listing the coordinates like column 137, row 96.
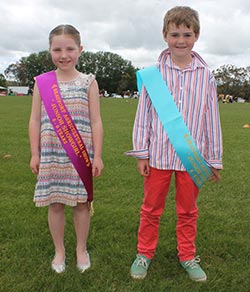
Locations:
column 25, row 242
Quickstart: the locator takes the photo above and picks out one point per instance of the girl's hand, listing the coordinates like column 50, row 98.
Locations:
column 34, row 164
column 143, row 167
column 97, row 167
column 215, row 176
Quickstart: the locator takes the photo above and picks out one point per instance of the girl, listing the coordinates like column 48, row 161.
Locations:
column 58, row 182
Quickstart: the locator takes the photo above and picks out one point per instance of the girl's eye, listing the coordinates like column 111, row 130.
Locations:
column 70, row 49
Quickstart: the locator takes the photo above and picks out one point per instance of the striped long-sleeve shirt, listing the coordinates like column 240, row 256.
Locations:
column 195, row 94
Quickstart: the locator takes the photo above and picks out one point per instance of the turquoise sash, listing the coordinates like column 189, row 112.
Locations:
column 173, row 124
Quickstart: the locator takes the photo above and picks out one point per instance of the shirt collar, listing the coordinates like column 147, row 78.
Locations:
column 197, row 60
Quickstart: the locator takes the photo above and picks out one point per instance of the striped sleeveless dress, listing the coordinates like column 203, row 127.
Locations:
column 57, row 180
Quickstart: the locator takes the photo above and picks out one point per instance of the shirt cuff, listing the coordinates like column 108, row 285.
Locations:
column 140, row 154
column 215, row 164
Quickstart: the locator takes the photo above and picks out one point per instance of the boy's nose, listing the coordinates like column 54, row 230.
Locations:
column 180, row 39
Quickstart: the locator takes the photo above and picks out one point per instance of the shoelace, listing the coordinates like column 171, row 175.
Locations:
column 142, row 262
column 193, row 263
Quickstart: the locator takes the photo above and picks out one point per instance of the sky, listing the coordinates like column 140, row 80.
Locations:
column 130, row 28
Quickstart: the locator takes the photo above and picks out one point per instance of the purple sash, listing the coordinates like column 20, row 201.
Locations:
column 65, row 128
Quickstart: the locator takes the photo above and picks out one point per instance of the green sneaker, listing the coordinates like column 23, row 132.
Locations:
column 139, row 267
column 194, row 270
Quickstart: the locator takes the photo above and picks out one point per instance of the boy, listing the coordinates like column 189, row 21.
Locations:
column 193, row 89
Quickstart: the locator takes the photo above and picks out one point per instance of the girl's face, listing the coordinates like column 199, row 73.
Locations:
column 64, row 52
column 180, row 41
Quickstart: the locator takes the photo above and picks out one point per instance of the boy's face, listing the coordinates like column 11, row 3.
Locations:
column 180, row 40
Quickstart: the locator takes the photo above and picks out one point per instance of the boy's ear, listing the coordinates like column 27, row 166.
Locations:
column 197, row 35
column 164, row 34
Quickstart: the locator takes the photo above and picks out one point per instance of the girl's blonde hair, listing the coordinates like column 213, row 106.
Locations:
column 66, row 29
column 182, row 15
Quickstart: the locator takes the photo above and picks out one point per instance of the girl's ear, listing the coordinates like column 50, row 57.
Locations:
column 81, row 49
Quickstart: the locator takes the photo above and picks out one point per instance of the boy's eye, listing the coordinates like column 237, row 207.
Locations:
column 56, row 49
column 186, row 35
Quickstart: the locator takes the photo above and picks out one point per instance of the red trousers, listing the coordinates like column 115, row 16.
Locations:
column 156, row 187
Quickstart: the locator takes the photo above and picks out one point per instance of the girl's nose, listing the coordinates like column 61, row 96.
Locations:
column 63, row 55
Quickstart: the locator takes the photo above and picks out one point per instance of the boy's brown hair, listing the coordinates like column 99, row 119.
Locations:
column 182, row 15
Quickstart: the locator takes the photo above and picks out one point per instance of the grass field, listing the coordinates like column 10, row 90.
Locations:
column 25, row 243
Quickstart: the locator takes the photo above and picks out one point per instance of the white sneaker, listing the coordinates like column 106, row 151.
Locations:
column 83, row 267
column 58, row 268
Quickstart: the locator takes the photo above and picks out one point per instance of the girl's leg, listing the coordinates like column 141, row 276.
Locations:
column 82, row 223
column 156, row 187
column 187, row 213
column 56, row 225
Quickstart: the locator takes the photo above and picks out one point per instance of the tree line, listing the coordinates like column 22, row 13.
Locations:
column 234, row 81
column 113, row 73
column 116, row 75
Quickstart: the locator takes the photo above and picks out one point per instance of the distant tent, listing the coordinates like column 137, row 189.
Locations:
column 3, row 91
column 239, row 99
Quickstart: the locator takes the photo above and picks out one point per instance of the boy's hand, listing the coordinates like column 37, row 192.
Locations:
column 143, row 167
column 215, row 176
